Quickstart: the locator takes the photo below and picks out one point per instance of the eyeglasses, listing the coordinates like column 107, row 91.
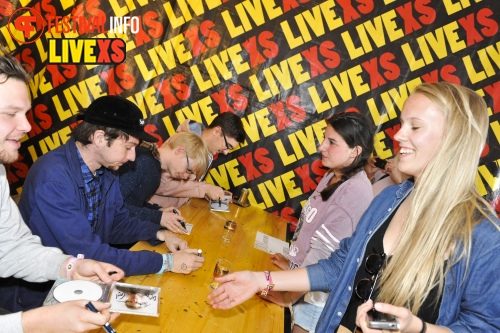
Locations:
column 373, row 265
column 228, row 146
column 188, row 170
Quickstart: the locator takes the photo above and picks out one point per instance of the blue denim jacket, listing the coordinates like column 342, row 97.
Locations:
column 470, row 301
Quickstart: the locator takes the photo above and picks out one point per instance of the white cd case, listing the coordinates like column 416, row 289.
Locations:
column 220, row 205
column 124, row 298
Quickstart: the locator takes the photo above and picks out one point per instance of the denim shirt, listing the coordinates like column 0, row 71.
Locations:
column 470, row 301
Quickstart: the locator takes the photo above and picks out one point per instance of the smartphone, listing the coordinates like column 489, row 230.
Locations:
column 382, row 321
column 380, row 163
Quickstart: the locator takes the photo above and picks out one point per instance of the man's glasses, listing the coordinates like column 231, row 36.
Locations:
column 373, row 264
column 228, row 146
column 188, row 167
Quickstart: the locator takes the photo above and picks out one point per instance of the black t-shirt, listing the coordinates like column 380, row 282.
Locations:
column 428, row 311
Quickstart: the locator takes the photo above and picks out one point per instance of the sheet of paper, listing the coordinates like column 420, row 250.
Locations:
column 270, row 244
column 189, row 227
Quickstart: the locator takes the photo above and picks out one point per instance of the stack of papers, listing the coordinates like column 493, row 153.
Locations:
column 270, row 244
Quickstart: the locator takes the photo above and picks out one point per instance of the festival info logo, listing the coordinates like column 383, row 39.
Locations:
column 26, row 26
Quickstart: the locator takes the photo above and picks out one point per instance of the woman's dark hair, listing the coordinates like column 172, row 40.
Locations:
column 356, row 130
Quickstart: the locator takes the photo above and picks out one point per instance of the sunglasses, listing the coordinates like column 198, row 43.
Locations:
column 228, row 146
column 188, row 167
column 373, row 265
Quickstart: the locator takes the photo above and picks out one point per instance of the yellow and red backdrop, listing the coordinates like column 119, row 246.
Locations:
column 283, row 66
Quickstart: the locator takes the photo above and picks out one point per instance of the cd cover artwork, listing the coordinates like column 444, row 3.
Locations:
column 124, row 298
column 134, row 299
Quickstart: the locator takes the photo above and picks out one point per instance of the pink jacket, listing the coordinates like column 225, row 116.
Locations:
column 175, row 193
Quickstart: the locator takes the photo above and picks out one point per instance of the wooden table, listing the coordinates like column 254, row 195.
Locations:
column 184, row 305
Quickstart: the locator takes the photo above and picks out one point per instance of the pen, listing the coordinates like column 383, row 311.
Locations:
column 106, row 326
column 112, row 272
column 219, row 202
column 199, row 252
column 181, row 222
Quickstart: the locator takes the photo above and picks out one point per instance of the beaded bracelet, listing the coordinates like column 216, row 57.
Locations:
column 170, row 259
column 168, row 263
column 270, row 284
column 71, row 265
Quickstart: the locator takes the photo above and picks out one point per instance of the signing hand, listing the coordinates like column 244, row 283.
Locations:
column 214, row 192
column 172, row 222
column 70, row 317
column 281, row 261
column 92, row 270
column 186, row 261
column 238, row 287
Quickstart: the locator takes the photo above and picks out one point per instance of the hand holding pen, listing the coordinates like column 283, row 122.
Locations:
column 106, row 326
column 173, row 221
column 71, row 316
column 180, row 221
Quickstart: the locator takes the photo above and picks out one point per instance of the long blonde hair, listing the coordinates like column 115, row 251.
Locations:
column 446, row 204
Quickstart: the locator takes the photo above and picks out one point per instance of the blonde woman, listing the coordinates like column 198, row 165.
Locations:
column 442, row 237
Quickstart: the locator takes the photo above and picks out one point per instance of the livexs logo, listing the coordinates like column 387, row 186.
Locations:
column 26, row 26
column 86, row 51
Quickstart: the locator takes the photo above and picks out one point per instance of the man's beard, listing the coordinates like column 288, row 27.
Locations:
column 7, row 158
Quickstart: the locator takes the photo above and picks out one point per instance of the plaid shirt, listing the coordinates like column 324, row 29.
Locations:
column 92, row 191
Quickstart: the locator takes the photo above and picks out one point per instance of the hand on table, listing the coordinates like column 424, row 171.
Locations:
column 71, row 317
column 281, row 261
column 186, row 261
column 237, row 288
column 407, row 321
column 173, row 242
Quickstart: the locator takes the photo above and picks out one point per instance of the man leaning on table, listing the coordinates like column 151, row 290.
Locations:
column 71, row 198
column 224, row 133
column 21, row 254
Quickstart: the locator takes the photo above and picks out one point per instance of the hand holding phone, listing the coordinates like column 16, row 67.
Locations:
column 380, row 163
column 381, row 321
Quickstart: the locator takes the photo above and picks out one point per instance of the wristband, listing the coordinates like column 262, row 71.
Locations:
column 170, row 258
column 424, row 326
column 71, row 265
column 168, row 263
column 164, row 265
column 270, row 284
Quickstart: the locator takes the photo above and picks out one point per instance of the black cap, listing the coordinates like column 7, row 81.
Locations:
column 117, row 112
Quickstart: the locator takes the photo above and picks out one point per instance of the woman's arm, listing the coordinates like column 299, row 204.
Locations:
column 240, row 286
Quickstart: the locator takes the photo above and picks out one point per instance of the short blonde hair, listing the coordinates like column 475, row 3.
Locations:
column 195, row 149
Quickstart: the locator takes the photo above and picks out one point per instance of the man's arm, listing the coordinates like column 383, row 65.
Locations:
column 58, row 218
column 170, row 187
column 21, row 253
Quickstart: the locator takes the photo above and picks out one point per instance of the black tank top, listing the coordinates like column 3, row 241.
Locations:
column 429, row 312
